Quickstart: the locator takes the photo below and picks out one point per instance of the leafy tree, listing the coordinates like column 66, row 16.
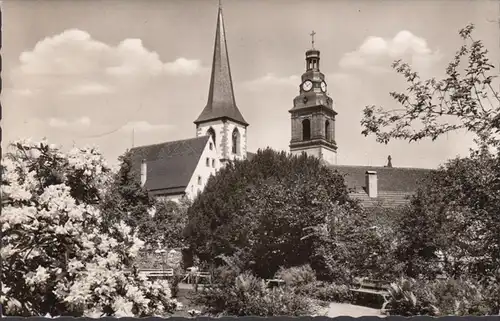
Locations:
column 166, row 224
column 58, row 255
column 126, row 199
column 463, row 99
column 259, row 209
column 454, row 218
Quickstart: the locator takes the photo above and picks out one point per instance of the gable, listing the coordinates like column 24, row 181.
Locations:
column 170, row 165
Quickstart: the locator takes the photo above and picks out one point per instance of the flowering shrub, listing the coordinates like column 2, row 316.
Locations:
column 57, row 258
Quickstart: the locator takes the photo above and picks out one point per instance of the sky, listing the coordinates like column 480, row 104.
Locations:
column 117, row 74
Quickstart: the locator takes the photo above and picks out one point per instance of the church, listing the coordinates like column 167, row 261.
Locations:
column 180, row 169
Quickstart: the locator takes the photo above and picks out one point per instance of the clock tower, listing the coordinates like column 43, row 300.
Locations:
column 312, row 115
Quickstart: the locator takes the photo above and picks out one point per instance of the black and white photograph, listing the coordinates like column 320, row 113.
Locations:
column 231, row 158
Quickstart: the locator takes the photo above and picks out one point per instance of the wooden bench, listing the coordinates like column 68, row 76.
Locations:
column 373, row 287
column 195, row 276
column 156, row 274
column 274, row 282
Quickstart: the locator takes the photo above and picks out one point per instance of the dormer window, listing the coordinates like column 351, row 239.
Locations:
column 211, row 146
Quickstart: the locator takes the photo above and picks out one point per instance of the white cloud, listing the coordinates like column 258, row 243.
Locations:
column 144, row 126
column 70, row 60
column 376, row 54
column 23, row 92
column 89, row 89
column 271, row 80
column 62, row 123
column 183, row 66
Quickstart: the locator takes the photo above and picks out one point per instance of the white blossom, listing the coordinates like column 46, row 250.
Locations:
column 44, row 226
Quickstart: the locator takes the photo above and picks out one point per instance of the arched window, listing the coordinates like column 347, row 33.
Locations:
column 235, row 141
column 211, row 132
column 328, row 136
column 306, row 129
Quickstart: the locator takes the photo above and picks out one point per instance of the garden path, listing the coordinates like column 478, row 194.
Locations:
column 344, row 309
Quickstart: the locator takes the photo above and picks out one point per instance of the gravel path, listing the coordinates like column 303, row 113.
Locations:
column 344, row 309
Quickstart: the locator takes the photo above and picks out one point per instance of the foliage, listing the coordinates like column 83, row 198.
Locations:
column 297, row 276
column 405, row 302
column 458, row 297
column 260, row 208
column 247, row 295
column 452, row 226
column 125, row 198
column 463, row 99
column 348, row 245
column 168, row 223
column 325, row 291
column 58, row 256
column 157, row 221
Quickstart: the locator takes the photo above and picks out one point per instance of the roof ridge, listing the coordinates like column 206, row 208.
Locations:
column 384, row 167
column 172, row 141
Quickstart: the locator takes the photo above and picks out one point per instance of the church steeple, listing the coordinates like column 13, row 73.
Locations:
column 312, row 115
column 221, row 118
column 221, row 103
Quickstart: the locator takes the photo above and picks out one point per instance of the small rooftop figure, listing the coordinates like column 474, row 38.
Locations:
column 389, row 163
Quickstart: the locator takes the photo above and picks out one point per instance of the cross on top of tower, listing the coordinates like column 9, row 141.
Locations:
column 312, row 38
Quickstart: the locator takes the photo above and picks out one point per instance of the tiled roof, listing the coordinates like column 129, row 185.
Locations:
column 221, row 102
column 250, row 155
column 170, row 165
column 394, row 184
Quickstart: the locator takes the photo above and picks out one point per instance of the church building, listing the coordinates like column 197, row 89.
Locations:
column 182, row 168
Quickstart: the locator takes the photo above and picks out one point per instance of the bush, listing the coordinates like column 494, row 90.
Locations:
column 297, row 275
column 411, row 297
column 246, row 295
column 302, row 281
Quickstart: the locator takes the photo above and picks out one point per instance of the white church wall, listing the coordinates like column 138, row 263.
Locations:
column 223, row 137
column 208, row 164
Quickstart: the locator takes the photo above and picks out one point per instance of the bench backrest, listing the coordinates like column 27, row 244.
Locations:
column 373, row 284
column 157, row 273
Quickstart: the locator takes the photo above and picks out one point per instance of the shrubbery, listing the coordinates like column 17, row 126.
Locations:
column 59, row 255
column 457, row 297
column 246, row 295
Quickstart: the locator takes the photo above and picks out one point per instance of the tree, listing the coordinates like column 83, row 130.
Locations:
column 259, row 209
column 453, row 218
column 126, row 199
column 166, row 224
column 58, row 256
column 464, row 99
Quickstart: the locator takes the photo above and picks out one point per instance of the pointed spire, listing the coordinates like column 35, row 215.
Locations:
column 221, row 102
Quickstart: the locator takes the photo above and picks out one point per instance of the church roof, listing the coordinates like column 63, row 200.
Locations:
column 221, row 102
column 170, row 165
column 394, row 184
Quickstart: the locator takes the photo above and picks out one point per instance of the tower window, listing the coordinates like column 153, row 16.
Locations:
column 199, row 180
column 235, row 142
column 211, row 146
column 211, row 132
column 213, row 163
column 207, row 162
column 328, row 136
column 306, row 129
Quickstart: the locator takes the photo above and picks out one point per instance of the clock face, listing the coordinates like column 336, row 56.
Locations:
column 307, row 85
column 323, row 86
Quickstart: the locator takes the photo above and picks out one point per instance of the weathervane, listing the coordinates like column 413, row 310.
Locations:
column 312, row 38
